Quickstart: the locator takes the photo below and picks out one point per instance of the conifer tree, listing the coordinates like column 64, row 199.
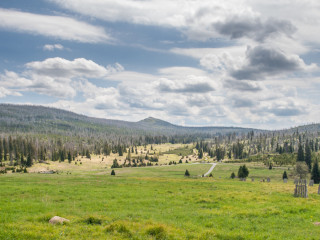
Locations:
column 5, row 149
column 307, row 157
column 315, row 174
column 243, row 172
column 22, row 162
column 200, row 153
column 1, row 150
column 113, row 173
column 187, row 174
column 69, row 157
column 284, row 175
column 29, row 161
column 300, row 157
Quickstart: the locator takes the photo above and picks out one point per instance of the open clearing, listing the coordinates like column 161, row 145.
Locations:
column 157, row 203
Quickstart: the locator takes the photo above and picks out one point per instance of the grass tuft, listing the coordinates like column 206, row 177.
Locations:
column 93, row 221
column 158, row 232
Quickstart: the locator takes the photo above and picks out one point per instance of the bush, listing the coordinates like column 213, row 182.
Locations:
column 157, row 232
column 115, row 164
column 120, row 228
column 233, row 175
column 113, row 173
column 301, row 170
column 187, row 174
column 243, row 172
column 93, row 221
column 284, row 175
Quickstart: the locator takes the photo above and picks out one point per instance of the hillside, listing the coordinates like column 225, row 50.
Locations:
column 44, row 120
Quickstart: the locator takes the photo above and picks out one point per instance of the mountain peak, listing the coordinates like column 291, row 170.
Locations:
column 154, row 121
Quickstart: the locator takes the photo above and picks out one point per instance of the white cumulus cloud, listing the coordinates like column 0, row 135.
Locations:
column 58, row 27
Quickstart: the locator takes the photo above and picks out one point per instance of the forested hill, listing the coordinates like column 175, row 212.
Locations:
column 45, row 120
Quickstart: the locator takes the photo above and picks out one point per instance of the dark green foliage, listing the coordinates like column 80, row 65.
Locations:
column 220, row 152
column 301, row 170
column 233, row 175
column 120, row 228
column 237, row 150
column 88, row 154
column 158, row 232
column 113, row 173
column 210, row 175
column 284, row 175
column 180, row 161
column 93, row 221
column 307, row 157
column 243, row 172
column 115, row 164
column 1, row 150
column 315, row 173
column 187, row 174
column 69, row 157
column 29, row 161
column 300, row 157
column 270, row 166
column 200, row 154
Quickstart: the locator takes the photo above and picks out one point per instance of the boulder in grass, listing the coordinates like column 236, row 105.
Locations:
column 57, row 219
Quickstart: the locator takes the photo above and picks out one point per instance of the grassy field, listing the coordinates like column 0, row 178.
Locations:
column 156, row 203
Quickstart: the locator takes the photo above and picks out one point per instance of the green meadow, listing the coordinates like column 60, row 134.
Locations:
column 157, row 203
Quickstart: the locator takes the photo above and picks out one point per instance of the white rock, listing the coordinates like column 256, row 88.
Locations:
column 57, row 219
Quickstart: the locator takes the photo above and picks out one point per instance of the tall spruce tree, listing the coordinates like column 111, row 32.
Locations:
column 200, row 153
column 69, row 157
column 1, row 150
column 315, row 174
column 307, row 157
column 29, row 161
column 300, row 157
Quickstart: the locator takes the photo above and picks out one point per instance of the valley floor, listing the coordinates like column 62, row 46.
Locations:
column 157, row 203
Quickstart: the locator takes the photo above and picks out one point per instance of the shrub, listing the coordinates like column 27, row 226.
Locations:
column 93, row 221
column 284, row 175
column 243, row 172
column 233, row 175
column 158, row 232
column 113, row 173
column 301, row 170
column 120, row 228
column 187, row 174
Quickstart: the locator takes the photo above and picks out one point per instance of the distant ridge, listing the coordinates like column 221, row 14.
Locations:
column 46, row 120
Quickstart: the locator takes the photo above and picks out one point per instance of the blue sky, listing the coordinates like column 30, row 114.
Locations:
column 190, row 62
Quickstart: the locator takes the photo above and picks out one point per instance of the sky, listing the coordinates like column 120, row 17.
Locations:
column 246, row 63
